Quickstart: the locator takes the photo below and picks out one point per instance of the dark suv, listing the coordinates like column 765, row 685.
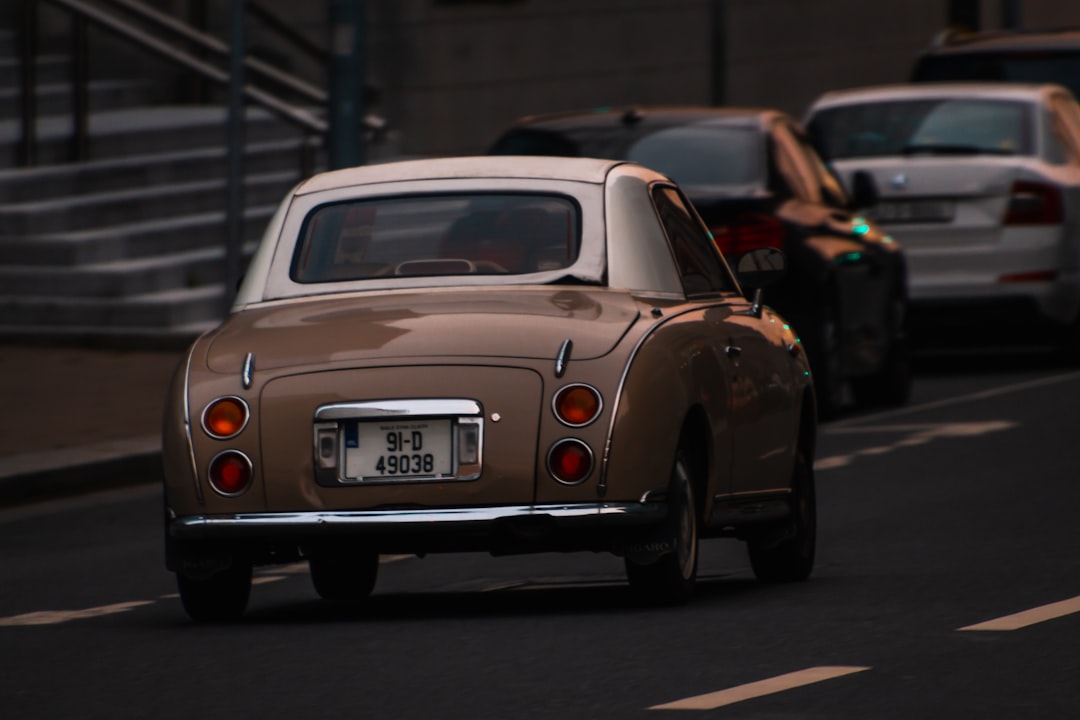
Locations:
column 1029, row 57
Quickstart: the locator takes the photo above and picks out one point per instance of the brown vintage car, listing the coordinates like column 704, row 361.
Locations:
column 499, row 354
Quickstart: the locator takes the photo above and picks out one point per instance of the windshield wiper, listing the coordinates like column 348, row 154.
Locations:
column 954, row 149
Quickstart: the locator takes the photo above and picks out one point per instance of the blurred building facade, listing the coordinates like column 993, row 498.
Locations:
column 453, row 72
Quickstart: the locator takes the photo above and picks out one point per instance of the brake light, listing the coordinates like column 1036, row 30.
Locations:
column 1034, row 203
column 230, row 473
column 747, row 232
column 1030, row 277
column 570, row 461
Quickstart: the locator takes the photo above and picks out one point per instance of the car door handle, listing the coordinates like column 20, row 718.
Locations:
column 732, row 351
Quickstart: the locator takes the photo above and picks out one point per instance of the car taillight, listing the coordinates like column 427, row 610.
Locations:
column 225, row 417
column 746, row 232
column 570, row 461
column 1034, row 203
column 230, row 472
column 577, row 405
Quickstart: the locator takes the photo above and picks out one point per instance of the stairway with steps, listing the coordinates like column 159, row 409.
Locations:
column 126, row 248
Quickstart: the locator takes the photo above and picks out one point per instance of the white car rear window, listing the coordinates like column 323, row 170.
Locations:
column 935, row 126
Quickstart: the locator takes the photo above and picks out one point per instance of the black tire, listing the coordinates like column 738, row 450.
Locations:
column 669, row 579
column 824, row 351
column 892, row 384
column 790, row 558
column 221, row 597
column 345, row 576
column 1067, row 343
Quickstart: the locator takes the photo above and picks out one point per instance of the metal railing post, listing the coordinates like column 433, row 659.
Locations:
column 235, row 144
column 27, row 40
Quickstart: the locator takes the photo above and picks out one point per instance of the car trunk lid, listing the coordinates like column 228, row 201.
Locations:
column 336, row 332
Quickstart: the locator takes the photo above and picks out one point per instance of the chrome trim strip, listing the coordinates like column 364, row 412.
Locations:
column 187, row 426
column 563, row 357
column 385, row 408
column 422, row 517
column 248, row 370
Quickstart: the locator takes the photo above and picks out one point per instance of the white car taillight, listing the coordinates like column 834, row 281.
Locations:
column 1034, row 203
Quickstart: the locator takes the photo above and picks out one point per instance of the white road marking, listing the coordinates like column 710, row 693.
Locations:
column 1029, row 617
column 833, row 461
column 264, row 579
column 841, row 425
column 55, row 617
column 780, row 683
column 916, row 434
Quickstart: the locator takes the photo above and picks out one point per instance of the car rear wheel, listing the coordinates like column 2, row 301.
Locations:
column 891, row 385
column 791, row 557
column 824, row 350
column 220, row 597
column 669, row 578
column 344, row 575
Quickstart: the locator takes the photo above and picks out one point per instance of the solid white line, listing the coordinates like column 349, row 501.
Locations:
column 981, row 395
column 1029, row 617
column 780, row 683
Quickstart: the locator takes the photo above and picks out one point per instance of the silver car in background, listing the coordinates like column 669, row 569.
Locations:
column 981, row 183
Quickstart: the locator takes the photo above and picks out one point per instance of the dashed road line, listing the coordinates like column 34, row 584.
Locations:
column 780, row 683
column 1034, row 616
column 841, row 425
column 55, row 617
column 914, row 435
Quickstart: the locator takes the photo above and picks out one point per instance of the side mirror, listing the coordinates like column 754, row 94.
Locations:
column 864, row 192
column 761, row 267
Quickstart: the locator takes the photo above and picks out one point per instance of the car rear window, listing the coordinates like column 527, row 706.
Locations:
column 1061, row 67
column 492, row 234
column 924, row 126
column 694, row 155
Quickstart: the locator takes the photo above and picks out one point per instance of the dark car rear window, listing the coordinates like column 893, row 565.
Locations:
column 1061, row 67
column 930, row 126
column 691, row 155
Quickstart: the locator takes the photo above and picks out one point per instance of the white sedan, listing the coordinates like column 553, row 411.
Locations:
column 981, row 182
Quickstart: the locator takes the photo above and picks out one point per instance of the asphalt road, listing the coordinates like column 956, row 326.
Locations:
column 948, row 586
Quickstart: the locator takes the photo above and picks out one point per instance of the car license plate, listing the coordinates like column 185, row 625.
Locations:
column 399, row 450
column 912, row 211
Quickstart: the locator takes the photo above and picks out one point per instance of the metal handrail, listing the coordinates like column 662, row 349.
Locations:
column 304, row 89
column 83, row 13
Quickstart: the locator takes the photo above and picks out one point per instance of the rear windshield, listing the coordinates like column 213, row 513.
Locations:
column 1061, row 67
column 703, row 155
column 690, row 155
column 488, row 234
column 924, row 126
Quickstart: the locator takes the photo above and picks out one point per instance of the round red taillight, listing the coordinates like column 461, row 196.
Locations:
column 570, row 461
column 577, row 405
column 230, row 472
column 225, row 417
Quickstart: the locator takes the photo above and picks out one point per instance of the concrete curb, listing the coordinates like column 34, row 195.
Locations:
column 35, row 477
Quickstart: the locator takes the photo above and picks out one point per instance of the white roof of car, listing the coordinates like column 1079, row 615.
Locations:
column 915, row 91
column 531, row 167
